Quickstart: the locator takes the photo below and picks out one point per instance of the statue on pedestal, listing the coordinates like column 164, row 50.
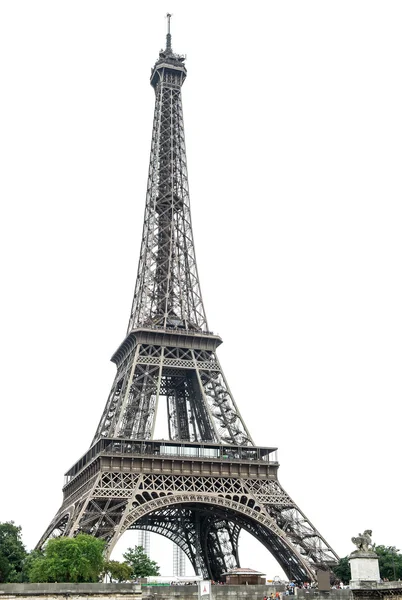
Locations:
column 363, row 541
column 363, row 561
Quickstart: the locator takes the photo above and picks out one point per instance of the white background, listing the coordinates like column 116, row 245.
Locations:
column 293, row 123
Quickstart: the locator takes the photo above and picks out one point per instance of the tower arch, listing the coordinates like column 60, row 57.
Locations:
column 224, row 510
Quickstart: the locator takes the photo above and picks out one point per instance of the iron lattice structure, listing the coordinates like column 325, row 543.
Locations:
column 209, row 481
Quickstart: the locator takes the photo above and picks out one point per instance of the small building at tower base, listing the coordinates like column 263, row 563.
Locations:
column 244, row 576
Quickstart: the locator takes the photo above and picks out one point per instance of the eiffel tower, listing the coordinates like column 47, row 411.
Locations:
column 209, row 481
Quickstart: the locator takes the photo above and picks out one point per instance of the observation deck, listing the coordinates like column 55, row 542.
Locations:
column 169, row 336
column 170, row 456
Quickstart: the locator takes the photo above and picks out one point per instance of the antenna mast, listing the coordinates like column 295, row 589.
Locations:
column 168, row 36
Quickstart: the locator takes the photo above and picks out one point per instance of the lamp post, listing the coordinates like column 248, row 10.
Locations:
column 393, row 552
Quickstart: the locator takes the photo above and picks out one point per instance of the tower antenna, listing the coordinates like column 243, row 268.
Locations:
column 168, row 35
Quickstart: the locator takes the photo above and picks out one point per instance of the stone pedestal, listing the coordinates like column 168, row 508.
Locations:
column 364, row 567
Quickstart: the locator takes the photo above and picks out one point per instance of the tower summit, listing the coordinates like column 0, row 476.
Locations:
column 209, row 480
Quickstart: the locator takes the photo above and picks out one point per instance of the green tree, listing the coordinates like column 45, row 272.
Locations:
column 71, row 560
column 117, row 571
column 342, row 570
column 390, row 562
column 28, row 563
column 12, row 553
column 141, row 565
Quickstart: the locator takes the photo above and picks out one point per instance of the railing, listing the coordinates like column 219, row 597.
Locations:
column 175, row 330
column 108, row 446
column 191, row 450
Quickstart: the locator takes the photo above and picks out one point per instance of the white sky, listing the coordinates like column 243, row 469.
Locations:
column 293, row 126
